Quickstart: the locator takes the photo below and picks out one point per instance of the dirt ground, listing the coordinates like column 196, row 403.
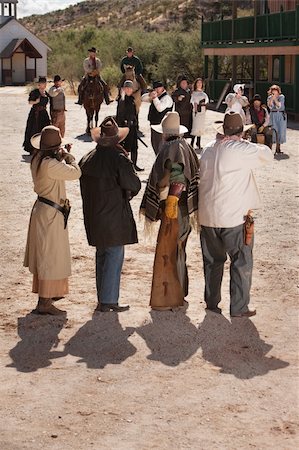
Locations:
column 145, row 380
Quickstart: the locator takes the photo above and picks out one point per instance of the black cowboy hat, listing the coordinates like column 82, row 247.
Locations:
column 42, row 80
column 130, row 49
column 157, row 84
column 58, row 78
column 92, row 49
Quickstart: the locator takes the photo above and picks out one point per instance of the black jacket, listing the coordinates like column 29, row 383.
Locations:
column 107, row 183
column 126, row 116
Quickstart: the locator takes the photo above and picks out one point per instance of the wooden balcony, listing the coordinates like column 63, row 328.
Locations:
column 268, row 29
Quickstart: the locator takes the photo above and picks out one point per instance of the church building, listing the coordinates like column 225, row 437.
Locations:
column 23, row 56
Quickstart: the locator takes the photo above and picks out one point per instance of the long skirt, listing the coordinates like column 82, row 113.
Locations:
column 36, row 121
column 278, row 120
column 170, row 276
column 198, row 124
column 50, row 288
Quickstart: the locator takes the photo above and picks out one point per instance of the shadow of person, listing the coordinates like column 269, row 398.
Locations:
column 236, row 347
column 170, row 336
column 101, row 341
column 26, row 158
column 84, row 137
column 39, row 334
column 280, row 156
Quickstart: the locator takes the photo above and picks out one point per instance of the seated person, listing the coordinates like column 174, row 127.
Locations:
column 258, row 115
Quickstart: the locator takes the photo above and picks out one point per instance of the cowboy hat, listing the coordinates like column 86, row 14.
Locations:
column 108, row 133
column 128, row 84
column 232, row 124
column 157, row 84
column 58, row 78
column 41, row 80
column 49, row 139
column 92, row 49
column 170, row 125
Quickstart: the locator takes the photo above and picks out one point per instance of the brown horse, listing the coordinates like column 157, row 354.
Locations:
column 92, row 100
column 130, row 75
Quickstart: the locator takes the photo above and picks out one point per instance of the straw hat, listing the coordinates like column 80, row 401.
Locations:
column 232, row 124
column 170, row 125
column 108, row 133
column 49, row 138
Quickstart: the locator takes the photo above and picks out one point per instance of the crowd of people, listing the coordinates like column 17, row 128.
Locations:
column 215, row 191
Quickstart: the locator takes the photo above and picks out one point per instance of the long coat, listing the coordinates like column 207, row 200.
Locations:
column 108, row 181
column 183, row 107
column 47, row 250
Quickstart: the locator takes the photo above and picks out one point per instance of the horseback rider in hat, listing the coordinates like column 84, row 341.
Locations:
column 92, row 66
column 133, row 61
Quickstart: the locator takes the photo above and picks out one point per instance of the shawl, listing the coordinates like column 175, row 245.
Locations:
column 177, row 151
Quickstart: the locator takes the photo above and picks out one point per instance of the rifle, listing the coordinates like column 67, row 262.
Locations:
column 139, row 139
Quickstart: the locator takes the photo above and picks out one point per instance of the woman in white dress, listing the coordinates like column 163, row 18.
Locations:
column 236, row 101
column 199, row 100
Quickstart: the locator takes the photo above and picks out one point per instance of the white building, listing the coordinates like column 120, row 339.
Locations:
column 23, row 56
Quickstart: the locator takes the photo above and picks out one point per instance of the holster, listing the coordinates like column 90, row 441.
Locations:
column 248, row 228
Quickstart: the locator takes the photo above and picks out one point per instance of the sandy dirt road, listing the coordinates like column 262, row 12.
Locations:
column 146, row 380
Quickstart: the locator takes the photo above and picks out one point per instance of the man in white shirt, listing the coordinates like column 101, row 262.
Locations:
column 161, row 103
column 227, row 192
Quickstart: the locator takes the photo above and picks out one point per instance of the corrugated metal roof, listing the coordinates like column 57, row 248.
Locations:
column 25, row 45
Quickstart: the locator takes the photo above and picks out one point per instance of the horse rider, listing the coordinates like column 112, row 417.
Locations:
column 92, row 66
column 133, row 61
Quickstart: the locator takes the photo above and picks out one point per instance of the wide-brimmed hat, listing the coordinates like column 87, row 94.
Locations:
column 232, row 124
column 238, row 86
column 41, row 80
column 92, row 49
column 128, row 84
column 58, row 78
column 157, row 84
column 49, row 138
column 108, row 133
column 170, row 125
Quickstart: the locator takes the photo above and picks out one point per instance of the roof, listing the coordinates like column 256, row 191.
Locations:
column 24, row 45
column 28, row 31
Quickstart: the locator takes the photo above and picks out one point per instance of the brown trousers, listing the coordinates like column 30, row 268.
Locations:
column 58, row 120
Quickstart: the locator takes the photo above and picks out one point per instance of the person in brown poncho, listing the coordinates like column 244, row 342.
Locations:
column 171, row 196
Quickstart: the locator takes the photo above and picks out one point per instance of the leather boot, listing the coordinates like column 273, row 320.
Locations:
column 45, row 306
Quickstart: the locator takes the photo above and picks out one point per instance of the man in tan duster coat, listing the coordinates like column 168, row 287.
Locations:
column 47, row 251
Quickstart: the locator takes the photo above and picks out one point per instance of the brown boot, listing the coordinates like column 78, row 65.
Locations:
column 45, row 306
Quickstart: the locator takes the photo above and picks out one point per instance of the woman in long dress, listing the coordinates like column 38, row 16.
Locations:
column 38, row 117
column 278, row 116
column 199, row 100
column 47, row 250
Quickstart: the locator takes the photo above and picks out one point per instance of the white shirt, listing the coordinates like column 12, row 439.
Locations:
column 160, row 104
column 227, row 188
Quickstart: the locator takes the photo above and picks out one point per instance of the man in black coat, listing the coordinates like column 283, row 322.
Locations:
column 126, row 116
column 108, row 182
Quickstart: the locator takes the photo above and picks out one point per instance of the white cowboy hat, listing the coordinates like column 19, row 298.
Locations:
column 108, row 133
column 232, row 124
column 170, row 125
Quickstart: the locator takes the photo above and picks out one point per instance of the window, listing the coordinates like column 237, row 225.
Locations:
column 276, row 68
column 262, row 68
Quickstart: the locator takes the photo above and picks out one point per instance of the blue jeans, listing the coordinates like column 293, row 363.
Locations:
column 216, row 243
column 108, row 270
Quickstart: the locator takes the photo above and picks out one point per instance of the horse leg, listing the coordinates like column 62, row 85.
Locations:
column 88, row 122
column 96, row 117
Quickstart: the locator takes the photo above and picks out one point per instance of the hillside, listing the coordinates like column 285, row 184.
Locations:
column 143, row 14
column 123, row 15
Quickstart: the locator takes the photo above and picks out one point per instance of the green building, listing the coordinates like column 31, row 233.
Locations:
column 259, row 49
